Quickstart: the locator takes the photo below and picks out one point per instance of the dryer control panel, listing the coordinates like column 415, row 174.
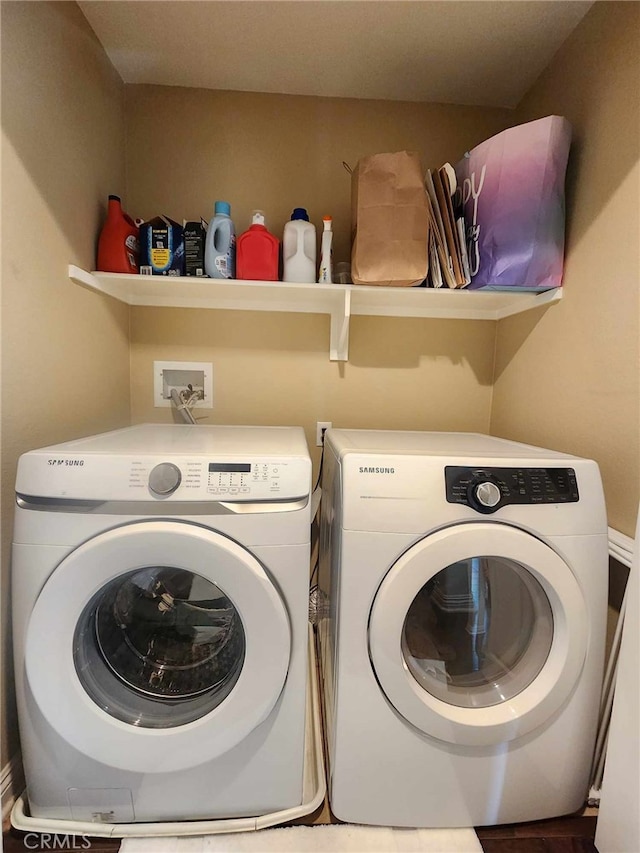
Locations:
column 487, row 489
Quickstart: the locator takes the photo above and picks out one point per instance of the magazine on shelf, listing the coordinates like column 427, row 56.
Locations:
column 447, row 230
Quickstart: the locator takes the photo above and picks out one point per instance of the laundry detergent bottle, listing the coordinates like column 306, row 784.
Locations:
column 220, row 244
column 299, row 248
column 118, row 244
column 257, row 252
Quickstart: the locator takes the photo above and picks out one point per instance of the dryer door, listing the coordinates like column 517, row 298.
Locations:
column 157, row 646
column 478, row 634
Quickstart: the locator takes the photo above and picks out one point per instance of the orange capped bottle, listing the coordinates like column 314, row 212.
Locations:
column 118, row 246
column 257, row 252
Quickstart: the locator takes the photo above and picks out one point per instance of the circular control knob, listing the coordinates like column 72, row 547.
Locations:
column 165, row 478
column 487, row 494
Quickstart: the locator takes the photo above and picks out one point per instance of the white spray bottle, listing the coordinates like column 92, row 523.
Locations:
column 326, row 253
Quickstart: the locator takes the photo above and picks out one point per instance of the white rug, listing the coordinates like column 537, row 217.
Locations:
column 338, row 838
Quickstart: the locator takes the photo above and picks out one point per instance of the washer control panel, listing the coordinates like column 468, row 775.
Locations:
column 224, row 480
column 487, row 489
column 173, row 463
column 241, row 479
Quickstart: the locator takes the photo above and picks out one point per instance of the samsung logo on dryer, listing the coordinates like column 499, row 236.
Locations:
column 365, row 470
column 76, row 463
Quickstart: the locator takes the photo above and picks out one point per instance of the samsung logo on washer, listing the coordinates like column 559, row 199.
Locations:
column 364, row 470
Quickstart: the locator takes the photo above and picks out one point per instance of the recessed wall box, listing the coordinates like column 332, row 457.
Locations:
column 168, row 375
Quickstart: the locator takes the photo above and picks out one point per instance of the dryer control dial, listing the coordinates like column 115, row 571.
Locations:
column 484, row 493
column 165, row 478
column 487, row 494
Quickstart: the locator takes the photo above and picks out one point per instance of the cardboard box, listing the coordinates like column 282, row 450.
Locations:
column 195, row 235
column 161, row 247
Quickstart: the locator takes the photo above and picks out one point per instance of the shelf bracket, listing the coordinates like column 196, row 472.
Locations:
column 339, row 340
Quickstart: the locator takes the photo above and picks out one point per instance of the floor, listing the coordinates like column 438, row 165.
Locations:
column 560, row 835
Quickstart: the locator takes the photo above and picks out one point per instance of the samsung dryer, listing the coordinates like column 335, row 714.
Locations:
column 160, row 612
column 463, row 598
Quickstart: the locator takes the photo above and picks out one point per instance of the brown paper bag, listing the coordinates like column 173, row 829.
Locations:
column 389, row 221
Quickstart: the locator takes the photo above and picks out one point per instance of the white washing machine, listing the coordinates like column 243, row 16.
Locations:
column 463, row 596
column 160, row 611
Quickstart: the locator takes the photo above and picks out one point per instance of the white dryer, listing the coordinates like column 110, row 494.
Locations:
column 160, row 611
column 463, row 597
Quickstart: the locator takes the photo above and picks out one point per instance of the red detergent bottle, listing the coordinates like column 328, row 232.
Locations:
column 257, row 252
column 118, row 246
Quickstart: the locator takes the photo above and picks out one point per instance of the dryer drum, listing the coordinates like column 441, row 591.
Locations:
column 478, row 633
column 168, row 633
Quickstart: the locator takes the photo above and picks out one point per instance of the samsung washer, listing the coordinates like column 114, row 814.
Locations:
column 463, row 599
column 160, row 611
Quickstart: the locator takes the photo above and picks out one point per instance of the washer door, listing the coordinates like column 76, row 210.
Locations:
column 157, row 646
column 478, row 634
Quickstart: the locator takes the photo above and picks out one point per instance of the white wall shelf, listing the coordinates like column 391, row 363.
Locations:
column 340, row 301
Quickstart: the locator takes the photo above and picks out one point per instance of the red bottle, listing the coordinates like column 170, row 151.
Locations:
column 118, row 246
column 257, row 252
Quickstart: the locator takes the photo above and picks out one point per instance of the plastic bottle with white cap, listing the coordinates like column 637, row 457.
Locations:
column 220, row 244
column 257, row 252
column 299, row 248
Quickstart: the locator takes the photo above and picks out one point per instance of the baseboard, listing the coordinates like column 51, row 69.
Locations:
column 11, row 784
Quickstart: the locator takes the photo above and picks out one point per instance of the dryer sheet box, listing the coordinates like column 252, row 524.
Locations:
column 195, row 235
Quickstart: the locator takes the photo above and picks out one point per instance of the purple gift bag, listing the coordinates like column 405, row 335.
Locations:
column 513, row 196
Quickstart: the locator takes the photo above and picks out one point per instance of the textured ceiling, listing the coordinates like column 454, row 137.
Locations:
column 483, row 52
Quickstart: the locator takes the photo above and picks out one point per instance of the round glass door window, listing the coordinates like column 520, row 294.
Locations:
column 159, row 647
column 478, row 633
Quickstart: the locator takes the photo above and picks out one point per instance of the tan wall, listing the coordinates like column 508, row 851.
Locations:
column 188, row 147
column 65, row 351
column 571, row 381
column 274, row 153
